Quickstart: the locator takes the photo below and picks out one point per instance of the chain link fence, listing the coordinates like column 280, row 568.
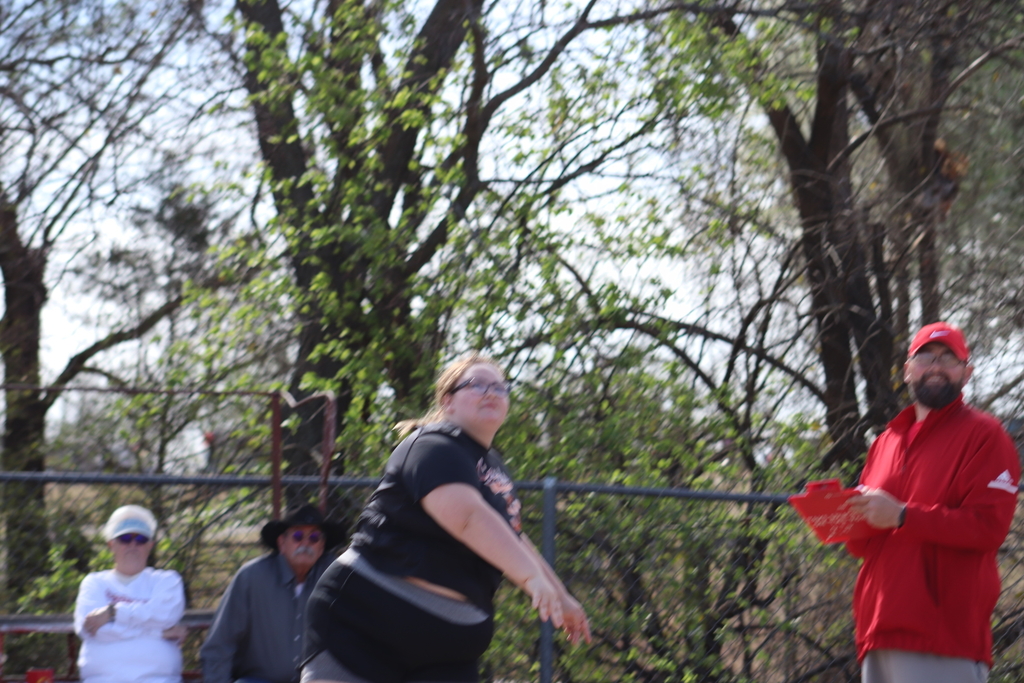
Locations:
column 679, row 585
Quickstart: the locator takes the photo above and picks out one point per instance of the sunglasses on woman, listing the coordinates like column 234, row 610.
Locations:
column 137, row 539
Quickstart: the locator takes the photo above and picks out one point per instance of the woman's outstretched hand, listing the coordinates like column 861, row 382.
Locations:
column 575, row 621
column 554, row 603
column 546, row 597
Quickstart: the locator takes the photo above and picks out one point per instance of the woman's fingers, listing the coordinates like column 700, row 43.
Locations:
column 177, row 633
column 576, row 624
column 540, row 606
column 546, row 599
column 557, row 617
column 96, row 618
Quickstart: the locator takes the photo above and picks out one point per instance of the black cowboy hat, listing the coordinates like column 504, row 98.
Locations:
column 301, row 515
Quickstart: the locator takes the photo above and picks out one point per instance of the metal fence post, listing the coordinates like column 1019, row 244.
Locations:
column 327, row 447
column 275, row 452
column 547, row 546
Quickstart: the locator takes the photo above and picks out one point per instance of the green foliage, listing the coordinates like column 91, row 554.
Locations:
column 53, row 593
column 684, row 590
column 611, row 221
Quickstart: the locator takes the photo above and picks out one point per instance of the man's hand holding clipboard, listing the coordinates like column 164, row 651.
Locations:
column 836, row 514
column 879, row 508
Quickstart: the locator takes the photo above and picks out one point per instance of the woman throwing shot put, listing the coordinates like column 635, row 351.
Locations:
column 411, row 599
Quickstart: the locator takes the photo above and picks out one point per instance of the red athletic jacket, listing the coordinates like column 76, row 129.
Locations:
column 931, row 585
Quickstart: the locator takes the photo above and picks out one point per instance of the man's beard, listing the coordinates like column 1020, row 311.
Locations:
column 935, row 396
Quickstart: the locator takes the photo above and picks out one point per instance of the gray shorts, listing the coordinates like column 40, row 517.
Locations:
column 900, row 666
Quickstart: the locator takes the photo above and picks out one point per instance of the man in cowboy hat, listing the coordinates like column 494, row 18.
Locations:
column 256, row 636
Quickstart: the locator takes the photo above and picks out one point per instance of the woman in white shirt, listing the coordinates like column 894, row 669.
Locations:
column 127, row 616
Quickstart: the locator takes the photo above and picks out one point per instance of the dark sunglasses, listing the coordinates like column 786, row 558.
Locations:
column 299, row 535
column 137, row 539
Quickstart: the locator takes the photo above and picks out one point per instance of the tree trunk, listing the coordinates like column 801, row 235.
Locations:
column 24, row 504
column 356, row 298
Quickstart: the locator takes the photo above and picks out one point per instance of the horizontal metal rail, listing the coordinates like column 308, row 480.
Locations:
column 54, row 477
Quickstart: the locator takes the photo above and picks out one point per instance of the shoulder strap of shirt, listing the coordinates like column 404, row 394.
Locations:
column 443, row 427
column 402, row 450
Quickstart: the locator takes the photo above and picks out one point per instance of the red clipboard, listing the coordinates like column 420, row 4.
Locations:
column 823, row 507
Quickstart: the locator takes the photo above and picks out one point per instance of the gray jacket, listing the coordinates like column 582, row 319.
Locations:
column 257, row 630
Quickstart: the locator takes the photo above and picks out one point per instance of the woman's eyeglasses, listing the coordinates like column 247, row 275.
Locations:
column 502, row 389
column 299, row 535
column 137, row 539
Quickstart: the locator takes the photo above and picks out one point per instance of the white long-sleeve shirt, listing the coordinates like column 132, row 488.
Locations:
column 131, row 649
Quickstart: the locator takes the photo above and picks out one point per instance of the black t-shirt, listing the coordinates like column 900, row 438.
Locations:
column 398, row 537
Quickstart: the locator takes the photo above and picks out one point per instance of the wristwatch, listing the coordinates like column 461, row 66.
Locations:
column 111, row 612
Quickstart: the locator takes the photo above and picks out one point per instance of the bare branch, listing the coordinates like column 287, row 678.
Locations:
column 78, row 362
column 935, row 108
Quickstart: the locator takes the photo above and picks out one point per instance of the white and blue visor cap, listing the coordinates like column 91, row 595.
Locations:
column 130, row 519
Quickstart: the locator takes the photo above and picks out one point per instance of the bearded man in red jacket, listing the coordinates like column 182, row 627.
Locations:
column 942, row 482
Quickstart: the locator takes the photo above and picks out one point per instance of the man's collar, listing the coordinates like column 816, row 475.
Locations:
column 908, row 416
column 285, row 575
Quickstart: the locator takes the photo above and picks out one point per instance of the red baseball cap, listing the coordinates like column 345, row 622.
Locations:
column 942, row 333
